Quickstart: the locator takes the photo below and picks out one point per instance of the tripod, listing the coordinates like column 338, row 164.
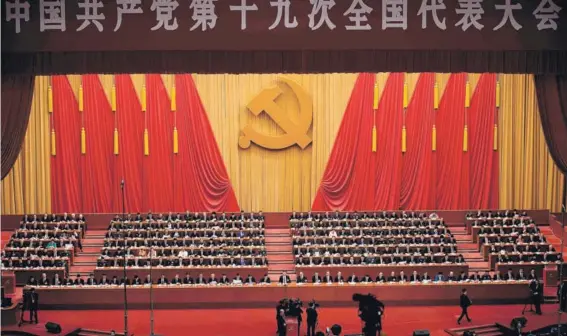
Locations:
column 531, row 303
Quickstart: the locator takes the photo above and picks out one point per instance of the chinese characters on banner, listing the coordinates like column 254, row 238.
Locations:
column 203, row 14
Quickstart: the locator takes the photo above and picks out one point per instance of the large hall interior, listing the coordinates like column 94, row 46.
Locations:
column 380, row 167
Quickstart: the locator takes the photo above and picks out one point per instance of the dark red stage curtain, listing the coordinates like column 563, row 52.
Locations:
column 452, row 163
column 348, row 181
column 388, row 166
column 128, row 163
column 483, row 157
column 66, row 188
column 158, row 166
column 17, row 93
column 201, row 178
column 98, row 162
column 417, row 172
column 552, row 100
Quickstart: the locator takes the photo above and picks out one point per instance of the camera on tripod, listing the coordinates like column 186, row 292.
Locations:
column 370, row 311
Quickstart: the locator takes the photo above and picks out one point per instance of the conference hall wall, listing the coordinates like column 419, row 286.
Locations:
column 376, row 141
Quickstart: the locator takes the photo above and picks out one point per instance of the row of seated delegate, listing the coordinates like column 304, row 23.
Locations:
column 499, row 222
column 501, row 214
column 34, row 262
column 445, row 239
column 184, row 233
column 355, row 215
column 506, row 230
column 347, row 259
column 44, row 242
column 188, row 217
column 327, row 278
column 184, row 242
column 145, row 262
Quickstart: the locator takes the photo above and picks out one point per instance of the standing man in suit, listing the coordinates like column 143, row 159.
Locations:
column 311, row 319
column 281, row 323
column 33, row 305
column 465, row 303
column 537, row 293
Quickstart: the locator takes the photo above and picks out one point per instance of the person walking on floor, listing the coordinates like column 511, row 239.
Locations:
column 465, row 303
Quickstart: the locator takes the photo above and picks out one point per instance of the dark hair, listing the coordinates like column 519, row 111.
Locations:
column 320, row 333
column 464, row 290
column 336, row 329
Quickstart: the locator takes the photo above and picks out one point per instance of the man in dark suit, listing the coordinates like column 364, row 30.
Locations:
column 79, row 281
column 301, row 278
column 250, row 280
column 537, row 293
column 188, row 280
column 284, row 279
column 316, row 278
column 465, row 303
column 353, row 278
column 136, row 281
column 33, row 305
column 281, row 323
column 311, row 319
column 162, row 280
column 266, row 279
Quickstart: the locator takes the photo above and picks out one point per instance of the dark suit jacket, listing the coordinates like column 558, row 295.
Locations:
column 288, row 279
column 464, row 301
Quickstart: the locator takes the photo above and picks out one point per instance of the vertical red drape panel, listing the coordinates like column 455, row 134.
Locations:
column 98, row 170
column 158, row 174
column 388, row 168
column 128, row 163
column 66, row 186
column 416, row 183
column 202, row 180
column 348, row 180
column 452, row 165
column 483, row 160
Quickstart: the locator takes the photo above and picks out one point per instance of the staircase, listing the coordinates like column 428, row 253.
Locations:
column 553, row 240
column 85, row 261
column 280, row 253
column 480, row 330
column 469, row 250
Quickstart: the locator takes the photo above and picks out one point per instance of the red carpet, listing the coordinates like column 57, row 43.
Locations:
column 259, row 322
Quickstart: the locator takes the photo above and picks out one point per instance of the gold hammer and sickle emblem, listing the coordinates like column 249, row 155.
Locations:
column 296, row 133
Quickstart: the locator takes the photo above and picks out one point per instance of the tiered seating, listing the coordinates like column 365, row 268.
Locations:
column 510, row 238
column 190, row 240
column 44, row 243
column 385, row 239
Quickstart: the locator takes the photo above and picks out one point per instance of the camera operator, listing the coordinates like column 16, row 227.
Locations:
column 312, row 316
column 335, row 330
column 370, row 311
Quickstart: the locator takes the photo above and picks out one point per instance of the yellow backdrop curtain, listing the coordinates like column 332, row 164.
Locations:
column 528, row 177
column 274, row 180
column 27, row 188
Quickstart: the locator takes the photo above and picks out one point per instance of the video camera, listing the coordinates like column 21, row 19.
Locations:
column 291, row 306
column 370, row 311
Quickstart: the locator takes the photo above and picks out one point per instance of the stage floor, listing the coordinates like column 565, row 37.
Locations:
column 400, row 321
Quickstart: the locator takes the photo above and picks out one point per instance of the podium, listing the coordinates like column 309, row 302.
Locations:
column 292, row 328
column 9, row 283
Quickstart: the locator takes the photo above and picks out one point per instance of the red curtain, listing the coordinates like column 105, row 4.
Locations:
column 452, row 162
column 201, row 177
column 417, row 173
column 348, row 181
column 128, row 163
column 388, row 168
column 158, row 166
column 98, row 169
column 66, row 188
column 483, row 158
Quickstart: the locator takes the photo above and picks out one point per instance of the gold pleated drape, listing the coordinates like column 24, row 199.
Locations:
column 529, row 178
column 33, row 162
column 268, row 180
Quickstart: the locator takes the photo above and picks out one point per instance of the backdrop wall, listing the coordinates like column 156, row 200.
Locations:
column 210, row 172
